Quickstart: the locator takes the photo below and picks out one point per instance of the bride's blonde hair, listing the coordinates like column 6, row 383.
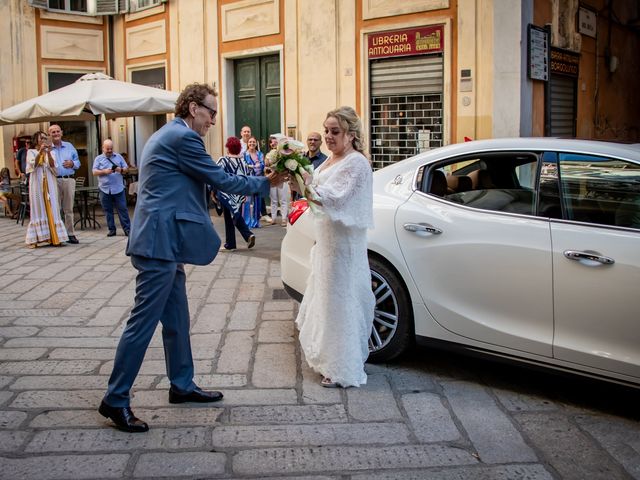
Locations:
column 350, row 122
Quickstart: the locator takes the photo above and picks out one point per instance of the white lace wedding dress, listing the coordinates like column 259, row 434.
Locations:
column 336, row 314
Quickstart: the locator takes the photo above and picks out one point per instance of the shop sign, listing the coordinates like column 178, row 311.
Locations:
column 410, row 41
column 564, row 62
column 538, row 53
column 587, row 22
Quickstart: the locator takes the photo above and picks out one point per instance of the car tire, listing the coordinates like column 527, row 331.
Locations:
column 392, row 302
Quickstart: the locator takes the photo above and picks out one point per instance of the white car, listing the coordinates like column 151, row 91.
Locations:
column 527, row 249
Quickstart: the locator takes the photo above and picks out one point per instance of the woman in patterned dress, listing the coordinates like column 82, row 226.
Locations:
column 45, row 223
column 233, row 163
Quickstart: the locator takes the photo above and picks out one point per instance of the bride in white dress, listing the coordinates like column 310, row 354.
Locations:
column 336, row 314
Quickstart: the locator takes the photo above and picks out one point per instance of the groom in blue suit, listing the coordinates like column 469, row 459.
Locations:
column 171, row 227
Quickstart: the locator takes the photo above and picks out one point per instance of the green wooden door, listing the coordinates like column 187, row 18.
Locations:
column 257, row 96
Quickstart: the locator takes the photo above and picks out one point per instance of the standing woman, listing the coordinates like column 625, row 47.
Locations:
column 253, row 205
column 45, row 223
column 234, row 164
column 336, row 314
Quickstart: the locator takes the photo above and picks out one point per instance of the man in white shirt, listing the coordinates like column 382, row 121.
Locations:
column 245, row 135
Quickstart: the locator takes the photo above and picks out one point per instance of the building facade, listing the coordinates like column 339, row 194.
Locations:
column 421, row 73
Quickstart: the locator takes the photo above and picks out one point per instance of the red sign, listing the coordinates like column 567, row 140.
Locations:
column 412, row 41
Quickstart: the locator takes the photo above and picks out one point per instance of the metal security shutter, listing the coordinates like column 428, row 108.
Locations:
column 397, row 76
column 563, row 106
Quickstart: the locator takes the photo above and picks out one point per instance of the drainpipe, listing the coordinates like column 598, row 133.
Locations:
column 110, row 34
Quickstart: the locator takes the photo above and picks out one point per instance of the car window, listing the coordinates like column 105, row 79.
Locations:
column 600, row 190
column 502, row 182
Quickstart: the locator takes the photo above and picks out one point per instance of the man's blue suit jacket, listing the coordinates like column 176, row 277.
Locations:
column 171, row 220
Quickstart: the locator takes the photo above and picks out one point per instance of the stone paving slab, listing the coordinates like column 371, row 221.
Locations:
column 37, row 399
column 493, row 435
column 158, row 417
column 11, row 419
column 51, row 342
column 11, row 441
column 346, row 459
column 618, row 438
column 430, row 420
column 174, row 465
column 109, row 439
column 4, row 397
column 10, row 332
column 51, row 367
column 276, row 331
column 157, row 367
column 212, row 318
column 275, row 366
column 49, row 321
column 21, row 353
column 85, row 353
column 373, row 401
column 284, row 414
column 324, row 434
column 235, row 353
column 64, row 467
column 507, row 472
column 571, row 452
column 73, row 382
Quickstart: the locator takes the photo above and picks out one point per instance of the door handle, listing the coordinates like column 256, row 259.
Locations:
column 422, row 227
column 588, row 255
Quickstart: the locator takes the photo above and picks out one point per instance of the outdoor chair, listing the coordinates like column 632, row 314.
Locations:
column 25, row 206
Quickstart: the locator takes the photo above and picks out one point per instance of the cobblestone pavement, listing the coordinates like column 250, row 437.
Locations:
column 430, row 415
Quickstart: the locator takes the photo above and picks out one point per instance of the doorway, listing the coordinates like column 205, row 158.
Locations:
column 257, row 96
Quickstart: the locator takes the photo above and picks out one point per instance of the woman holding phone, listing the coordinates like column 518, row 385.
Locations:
column 45, row 224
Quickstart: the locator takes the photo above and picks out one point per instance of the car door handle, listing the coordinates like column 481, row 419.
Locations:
column 422, row 227
column 588, row 255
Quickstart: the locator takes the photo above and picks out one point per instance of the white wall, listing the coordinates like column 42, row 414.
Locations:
column 507, row 25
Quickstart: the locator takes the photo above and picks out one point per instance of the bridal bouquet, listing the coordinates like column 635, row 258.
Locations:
column 287, row 156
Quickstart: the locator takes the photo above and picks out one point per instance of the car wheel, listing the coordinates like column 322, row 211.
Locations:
column 392, row 331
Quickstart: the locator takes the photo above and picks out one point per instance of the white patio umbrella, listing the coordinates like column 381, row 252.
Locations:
column 88, row 97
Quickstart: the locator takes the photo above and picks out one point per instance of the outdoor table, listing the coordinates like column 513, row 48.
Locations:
column 87, row 218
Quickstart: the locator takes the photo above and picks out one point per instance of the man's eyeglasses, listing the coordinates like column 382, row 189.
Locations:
column 212, row 112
